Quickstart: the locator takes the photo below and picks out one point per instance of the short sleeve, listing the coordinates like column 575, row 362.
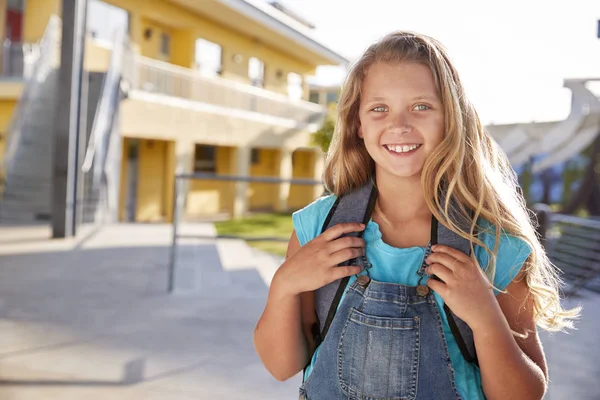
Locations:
column 309, row 220
column 512, row 254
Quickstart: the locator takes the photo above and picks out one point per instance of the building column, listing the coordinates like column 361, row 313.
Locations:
column 240, row 202
column 2, row 32
column 285, row 172
column 184, row 164
column 318, row 172
column 67, row 132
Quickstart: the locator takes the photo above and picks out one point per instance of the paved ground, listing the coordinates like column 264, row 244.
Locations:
column 95, row 322
column 90, row 319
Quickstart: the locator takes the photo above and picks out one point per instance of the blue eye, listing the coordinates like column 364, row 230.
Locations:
column 422, row 107
column 379, row 109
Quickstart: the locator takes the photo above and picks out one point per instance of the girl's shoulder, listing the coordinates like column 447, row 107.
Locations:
column 309, row 220
column 511, row 256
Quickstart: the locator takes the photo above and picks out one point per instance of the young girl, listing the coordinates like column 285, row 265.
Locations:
column 406, row 125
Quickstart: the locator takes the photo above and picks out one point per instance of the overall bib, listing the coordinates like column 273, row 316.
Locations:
column 386, row 342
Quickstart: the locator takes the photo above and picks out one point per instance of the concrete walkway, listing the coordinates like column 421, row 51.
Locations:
column 89, row 318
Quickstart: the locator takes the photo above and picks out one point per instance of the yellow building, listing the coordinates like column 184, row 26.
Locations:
column 325, row 95
column 214, row 86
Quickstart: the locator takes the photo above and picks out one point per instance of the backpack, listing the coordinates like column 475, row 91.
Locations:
column 357, row 206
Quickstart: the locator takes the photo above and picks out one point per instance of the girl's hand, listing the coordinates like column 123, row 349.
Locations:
column 315, row 264
column 463, row 286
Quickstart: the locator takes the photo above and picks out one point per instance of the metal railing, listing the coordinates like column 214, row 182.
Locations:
column 40, row 58
column 159, row 77
column 100, row 202
column 179, row 233
column 573, row 246
column 13, row 59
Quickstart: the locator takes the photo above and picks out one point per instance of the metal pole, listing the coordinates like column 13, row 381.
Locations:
column 67, row 122
column 176, row 209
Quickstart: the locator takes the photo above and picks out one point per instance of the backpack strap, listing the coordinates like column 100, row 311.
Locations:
column 356, row 206
column 441, row 235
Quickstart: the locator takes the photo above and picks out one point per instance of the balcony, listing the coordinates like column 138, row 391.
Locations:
column 157, row 77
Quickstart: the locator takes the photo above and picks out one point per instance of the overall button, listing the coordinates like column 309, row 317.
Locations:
column 422, row 290
column 363, row 280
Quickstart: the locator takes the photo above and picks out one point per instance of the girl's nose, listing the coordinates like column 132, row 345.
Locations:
column 400, row 125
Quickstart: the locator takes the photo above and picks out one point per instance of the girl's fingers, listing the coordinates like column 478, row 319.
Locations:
column 344, row 255
column 457, row 254
column 344, row 243
column 441, row 272
column 343, row 271
column 447, row 260
column 439, row 287
column 340, row 229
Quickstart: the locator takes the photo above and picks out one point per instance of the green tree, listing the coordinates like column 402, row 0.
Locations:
column 322, row 137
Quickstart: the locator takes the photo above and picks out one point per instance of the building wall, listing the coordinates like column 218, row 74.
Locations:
column 7, row 107
column 36, row 16
column 152, row 180
column 158, row 146
column 263, row 196
column 303, row 168
column 184, row 28
column 212, row 197
column 155, row 171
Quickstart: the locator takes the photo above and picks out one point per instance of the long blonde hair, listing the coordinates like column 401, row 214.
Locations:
column 468, row 164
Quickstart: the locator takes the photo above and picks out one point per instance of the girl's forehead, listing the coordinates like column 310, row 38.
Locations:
column 405, row 76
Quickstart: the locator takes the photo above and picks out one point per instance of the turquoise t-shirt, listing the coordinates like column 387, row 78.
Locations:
column 386, row 259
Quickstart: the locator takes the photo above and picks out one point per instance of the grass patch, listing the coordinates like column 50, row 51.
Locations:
column 273, row 226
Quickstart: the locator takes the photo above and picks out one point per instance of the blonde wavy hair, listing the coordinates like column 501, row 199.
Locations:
column 468, row 164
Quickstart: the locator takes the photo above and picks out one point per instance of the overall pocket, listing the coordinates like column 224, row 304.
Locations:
column 378, row 357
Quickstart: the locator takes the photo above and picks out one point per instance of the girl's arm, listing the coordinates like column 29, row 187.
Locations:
column 279, row 337
column 282, row 337
column 511, row 367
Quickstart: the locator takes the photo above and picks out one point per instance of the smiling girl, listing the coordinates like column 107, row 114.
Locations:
column 416, row 319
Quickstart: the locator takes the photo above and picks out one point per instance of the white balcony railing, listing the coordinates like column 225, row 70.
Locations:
column 163, row 78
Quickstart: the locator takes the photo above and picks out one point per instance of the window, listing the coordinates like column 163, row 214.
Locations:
column 294, row 82
column 209, row 57
column 104, row 20
column 314, row 97
column 14, row 20
column 256, row 72
column 205, row 159
column 165, row 44
column 255, row 156
column 16, row 5
column 332, row 97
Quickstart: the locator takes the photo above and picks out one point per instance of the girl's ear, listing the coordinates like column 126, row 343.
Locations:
column 360, row 132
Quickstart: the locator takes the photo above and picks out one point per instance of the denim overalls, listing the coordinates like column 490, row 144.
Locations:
column 385, row 342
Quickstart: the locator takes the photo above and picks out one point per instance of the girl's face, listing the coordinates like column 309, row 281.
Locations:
column 401, row 117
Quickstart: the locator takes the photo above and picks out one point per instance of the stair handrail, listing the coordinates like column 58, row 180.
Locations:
column 103, row 118
column 42, row 56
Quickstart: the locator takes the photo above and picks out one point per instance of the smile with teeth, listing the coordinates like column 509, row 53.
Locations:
column 396, row 148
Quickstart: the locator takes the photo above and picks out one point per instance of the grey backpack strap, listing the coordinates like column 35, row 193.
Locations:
column 356, row 206
column 442, row 235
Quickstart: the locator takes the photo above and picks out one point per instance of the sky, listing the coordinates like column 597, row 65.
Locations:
column 512, row 55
